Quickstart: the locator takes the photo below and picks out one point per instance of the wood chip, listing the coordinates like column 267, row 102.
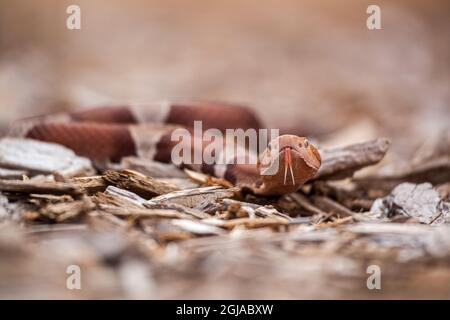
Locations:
column 123, row 197
column 177, row 207
column 46, row 187
column 41, row 157
column 138, row 183
column 421, row 201
column 115, row 197
column 197, row 227
column 192, row 197
column 90, row 184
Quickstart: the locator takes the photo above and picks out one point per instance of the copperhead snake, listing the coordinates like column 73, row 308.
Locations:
column 110, row 133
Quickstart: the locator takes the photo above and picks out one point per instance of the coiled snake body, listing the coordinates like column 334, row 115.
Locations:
column 110, row 133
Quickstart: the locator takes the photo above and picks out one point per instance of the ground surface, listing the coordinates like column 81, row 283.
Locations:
column 309, row 65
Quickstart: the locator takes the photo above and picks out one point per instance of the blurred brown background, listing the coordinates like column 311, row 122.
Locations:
column 312, row 64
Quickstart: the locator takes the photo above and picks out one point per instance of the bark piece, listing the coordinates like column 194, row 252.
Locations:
column 418, row 201
column 115, row 197
column 138, row 183
column 90, row 184
column 41, row 157
column 46, row 187
column 339, row 163
column 192, row 197
column 120, row 197
column 178, row 207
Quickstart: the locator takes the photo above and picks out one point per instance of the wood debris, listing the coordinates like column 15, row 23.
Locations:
column 138, row 183
column 46, row 187
column 185, row 227
column 41, row 157
column 417, row 201
column 192, row 197
column 339, row 163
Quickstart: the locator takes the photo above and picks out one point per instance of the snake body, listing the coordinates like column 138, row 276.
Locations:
column 113, row 132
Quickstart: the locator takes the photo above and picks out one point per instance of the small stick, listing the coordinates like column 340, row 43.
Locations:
column 339, row 163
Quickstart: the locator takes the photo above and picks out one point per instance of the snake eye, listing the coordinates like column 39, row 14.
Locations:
column 306, row 143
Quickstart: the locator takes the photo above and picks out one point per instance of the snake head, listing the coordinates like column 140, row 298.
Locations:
column 287, row 163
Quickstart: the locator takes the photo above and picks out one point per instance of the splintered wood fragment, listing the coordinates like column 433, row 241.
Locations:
column 152, row 168
column 339, row 163
column 39, row 187
column 329, row 205
column 255, row 222
column 197, row 227
column 120, row 197
column 41, row 157
column 138, row 183
column 116, row 197
column 178, row 207
column 90, row 184
column 192, row 197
